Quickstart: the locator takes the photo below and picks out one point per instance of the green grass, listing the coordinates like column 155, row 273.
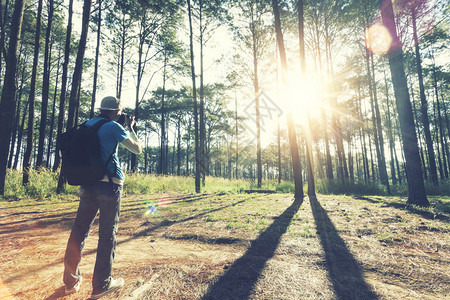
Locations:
column 43, row 184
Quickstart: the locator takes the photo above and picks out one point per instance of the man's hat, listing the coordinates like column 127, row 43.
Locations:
column 110, row 103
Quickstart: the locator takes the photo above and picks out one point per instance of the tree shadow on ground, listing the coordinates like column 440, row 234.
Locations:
column 166, row 223
column 423, row 212
column 240, row 279
column 65, row 219
column 345, row 272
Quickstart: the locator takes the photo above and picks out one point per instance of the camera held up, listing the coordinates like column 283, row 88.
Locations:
column 122, row 119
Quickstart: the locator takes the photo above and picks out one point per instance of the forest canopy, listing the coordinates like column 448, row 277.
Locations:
column 341, row 95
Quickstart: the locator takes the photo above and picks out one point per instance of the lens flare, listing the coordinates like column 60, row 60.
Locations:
column 378, row 39
column 153, row 208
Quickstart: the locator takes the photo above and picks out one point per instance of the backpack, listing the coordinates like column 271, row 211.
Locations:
column 81, row 158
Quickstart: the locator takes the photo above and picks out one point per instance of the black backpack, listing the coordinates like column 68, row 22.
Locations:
column 81, row 158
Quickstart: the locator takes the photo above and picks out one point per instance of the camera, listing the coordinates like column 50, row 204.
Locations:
column 122, row 119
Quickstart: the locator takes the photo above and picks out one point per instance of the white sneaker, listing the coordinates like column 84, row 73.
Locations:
column 114, row 284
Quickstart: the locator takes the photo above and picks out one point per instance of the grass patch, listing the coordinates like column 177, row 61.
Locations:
column 337, row 187
column 43, row 183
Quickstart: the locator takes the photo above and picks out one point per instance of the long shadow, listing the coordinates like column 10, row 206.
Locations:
column 34, row 204
column 137, row 205
column 47, row 218
column 412, row 209
column 22, row 213
column 208, row 240
column 166, row 223
column 139, row 234
column 345, row 272
column 240, row 279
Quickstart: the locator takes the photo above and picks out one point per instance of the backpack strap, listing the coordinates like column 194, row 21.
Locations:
column 96, row 127
column 99, row 124
column 107, row 162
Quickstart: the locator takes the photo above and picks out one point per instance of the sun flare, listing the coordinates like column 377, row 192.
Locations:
column 305, row 95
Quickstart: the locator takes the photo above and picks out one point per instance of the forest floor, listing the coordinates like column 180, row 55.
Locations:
column 237, row 246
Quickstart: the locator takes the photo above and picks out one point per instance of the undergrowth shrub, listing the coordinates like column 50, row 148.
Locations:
column 285, row 187
column 13, row 184
column 443, row 189
column 136, row 183
column 43, row 183
column 347, row 188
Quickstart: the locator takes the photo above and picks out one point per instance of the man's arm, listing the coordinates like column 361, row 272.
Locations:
column 132, row 143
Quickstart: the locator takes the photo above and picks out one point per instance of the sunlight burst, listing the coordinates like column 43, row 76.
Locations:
column 305, row 95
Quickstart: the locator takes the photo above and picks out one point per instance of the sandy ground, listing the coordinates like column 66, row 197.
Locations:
column 191, row 259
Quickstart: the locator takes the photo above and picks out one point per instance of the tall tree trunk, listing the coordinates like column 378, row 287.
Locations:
column 162, row 157
column 329, row 164
column 237, row 136
column 188, row 142
column 173, row 155
column 424, row 107
column 166, row 164
column 20, row 137
column 16, row 118
column 416, row 187
column 3, row 22
column 309, row 159
column 419, row 139
column 444, row 108
column 62, row 95
column 422, row 158
column 280, row 174
column 121, row 59
column 296, row 165
column 97, row 52
column 140, row 74
column 372, row 91
column 337, row 128
column 45, row 88
column 52, row 120
column 445, row 150
column 441, row 159
column 202, row 101
column 76, row 78
column 372, row 160
column 31, row 100
column 179, row 146
column 390, row 136
column 194, row 98
column 350, row 160
column 256, row 95
column 362, row 137
column 381, row 156
column 308, row 135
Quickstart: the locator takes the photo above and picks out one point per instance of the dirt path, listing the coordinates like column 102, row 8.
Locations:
column 235, row 247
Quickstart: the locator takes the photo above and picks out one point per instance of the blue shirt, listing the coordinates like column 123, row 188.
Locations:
column 110, row 134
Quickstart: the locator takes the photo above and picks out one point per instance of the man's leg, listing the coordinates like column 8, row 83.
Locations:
column 109, row 205
column 87, row 211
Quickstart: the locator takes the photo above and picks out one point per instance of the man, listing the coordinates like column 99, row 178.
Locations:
column 103, row 195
